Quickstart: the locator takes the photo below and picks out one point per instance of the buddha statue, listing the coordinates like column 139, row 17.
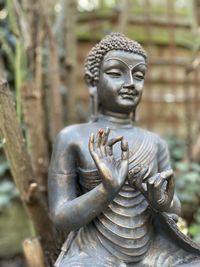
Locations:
column 111, row 186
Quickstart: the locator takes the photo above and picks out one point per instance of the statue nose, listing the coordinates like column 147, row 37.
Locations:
column 129, row 86
column 129, row 83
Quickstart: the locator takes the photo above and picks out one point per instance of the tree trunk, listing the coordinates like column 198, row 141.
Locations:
column 15, row 149
column 34, row 120
column 55, row 100
column 124, row 15
column 68, row 20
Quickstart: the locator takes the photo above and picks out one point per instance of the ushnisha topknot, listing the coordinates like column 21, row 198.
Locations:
column 112, row 41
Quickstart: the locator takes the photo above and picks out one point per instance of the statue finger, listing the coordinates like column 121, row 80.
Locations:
column 91, row 143
column 114, row 140
column 133, row 175
column 154, row 192
column 138, row 182
column 158, row 182
column 104, row 141
column 125, row 150
column 144, row 170
column 95, row 152
column 131, row 178
column 169, row 173
column 164, row 178
column 162, row 194
column 92, row 149
column 135, row 179
column 96, row 159
column 153, row 179
column 150, row 188
column 110, row 144
column 99, row 137
column 158, row 196
column 170, row 187
column 105, row 136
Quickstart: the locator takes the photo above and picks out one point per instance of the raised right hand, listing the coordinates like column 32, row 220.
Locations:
column 113, row 173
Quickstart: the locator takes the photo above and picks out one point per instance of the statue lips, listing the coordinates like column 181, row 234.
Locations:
column 128, row 93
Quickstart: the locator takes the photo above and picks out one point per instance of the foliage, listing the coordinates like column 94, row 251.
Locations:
column 14, row 228
column 8, row 191
column 177, row 149
column 7, row 44
column 194, row 228
column 4, row 166
column 187, row 173
column 187, row 184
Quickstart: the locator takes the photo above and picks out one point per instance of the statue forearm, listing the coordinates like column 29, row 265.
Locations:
column 71, row 215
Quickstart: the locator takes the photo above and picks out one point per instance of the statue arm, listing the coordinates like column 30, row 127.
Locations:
column 68, row 210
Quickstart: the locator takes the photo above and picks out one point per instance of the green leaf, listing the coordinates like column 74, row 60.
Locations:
column 178, row 153
column 194, row 231
column 4, row 200
column 182, row 166
column 8, row 188
column 4, row 167
column 195, row 167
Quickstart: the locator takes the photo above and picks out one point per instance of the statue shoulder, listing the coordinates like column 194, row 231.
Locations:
column 161, row 149
column 70, row 134
column 160, row 142
column 147, row 133
column 154, row 137
column 65, row 148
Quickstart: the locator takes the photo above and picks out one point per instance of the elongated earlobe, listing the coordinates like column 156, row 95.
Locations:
column 94, row 102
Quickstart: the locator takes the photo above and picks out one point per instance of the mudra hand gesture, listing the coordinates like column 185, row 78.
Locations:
column 159, row 189
column 113, row 173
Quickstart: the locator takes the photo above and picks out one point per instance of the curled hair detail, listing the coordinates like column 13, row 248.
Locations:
column 113, row 41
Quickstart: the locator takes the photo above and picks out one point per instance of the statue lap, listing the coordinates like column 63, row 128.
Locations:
column 87, row 251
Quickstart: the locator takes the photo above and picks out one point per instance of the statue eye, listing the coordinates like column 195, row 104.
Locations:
column 113, row 73
column 139, row 75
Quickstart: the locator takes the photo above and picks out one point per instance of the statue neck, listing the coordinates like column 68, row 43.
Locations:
column 116, row 118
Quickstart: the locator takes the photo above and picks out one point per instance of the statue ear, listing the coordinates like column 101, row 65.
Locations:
column 94, row 101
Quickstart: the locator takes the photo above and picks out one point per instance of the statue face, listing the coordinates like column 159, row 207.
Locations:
column 121, row 80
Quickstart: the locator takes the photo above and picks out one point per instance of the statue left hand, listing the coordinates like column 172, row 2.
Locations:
column 158, row 195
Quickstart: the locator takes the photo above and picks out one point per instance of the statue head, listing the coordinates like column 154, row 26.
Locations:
column 112, row 42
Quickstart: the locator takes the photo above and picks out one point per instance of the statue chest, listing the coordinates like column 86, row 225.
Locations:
column 124, row 227
column 144, row 154
column 142, row 151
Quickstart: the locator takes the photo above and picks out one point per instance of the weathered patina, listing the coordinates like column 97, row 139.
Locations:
column 111, row 185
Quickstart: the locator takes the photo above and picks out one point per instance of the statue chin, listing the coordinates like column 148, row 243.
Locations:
column 110, row 183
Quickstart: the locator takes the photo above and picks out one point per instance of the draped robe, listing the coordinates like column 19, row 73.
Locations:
column 123, row 234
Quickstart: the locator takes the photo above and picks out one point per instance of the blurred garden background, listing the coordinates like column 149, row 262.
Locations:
column 43, row 44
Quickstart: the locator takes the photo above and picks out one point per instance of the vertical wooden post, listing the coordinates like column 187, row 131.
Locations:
column 55, row 100
column 71, row 54
column 124, row 15
column 33, row 253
